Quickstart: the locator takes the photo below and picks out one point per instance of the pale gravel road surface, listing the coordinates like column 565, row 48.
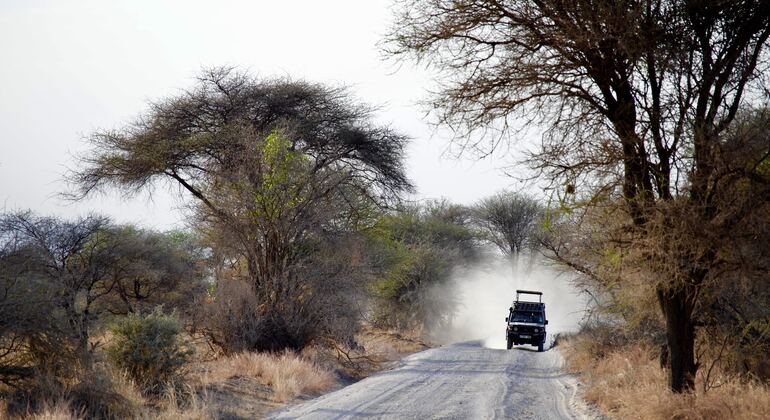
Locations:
column 458, row 381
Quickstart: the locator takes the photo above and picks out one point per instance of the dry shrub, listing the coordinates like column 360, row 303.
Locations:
column 288, row 374
column 236, row 321
column 627, row 382
column 148, row 348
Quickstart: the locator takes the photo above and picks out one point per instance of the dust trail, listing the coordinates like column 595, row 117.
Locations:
column 486, row 291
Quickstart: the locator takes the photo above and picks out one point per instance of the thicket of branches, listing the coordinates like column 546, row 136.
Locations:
column 638, row 100
column 61, row 282
column 510, row 221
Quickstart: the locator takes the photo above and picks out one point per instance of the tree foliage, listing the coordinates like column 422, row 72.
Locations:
column 59, row 277
column 415, row 251
column 275, row 167
column 638, row 97
column 508, row 220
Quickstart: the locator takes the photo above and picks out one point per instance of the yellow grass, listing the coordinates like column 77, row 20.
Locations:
column 56, row 410
column 171, row 407
column 628, row 383
column 390, row 345
column 193, row 408
column 288, row 374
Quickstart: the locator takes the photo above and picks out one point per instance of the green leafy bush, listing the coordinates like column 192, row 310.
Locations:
column 149, row 349
column 414, row 252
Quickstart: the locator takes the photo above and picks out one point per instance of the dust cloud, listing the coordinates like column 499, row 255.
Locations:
column 486, row 291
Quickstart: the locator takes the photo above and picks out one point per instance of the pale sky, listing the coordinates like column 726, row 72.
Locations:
column 72, row 66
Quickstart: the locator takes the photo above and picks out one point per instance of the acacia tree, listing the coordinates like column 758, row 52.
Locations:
column 636, row 94
column 273, row 165
column 507, row 220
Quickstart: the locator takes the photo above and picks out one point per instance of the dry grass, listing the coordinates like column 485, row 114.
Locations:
column 130, row 405
column 191, row 407
column 390, row 345
column 245, row 385
column 57, row 410
column 628, row 383
column 288, row 374
column 62, row 410
column 51, row 409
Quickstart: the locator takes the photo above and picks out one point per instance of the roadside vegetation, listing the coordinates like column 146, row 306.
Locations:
column 301, row 268
column 654, row 147
column 627, row 382
column 623, row 351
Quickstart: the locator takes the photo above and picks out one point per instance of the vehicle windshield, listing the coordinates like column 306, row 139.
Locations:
column 534, row 317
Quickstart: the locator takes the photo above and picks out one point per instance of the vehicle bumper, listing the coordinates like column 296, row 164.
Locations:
column 526, row 338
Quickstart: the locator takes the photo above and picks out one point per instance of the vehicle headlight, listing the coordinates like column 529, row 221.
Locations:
column 537, row 329
column 515, row 328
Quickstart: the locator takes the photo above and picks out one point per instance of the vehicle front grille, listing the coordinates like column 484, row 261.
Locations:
column 526, row 329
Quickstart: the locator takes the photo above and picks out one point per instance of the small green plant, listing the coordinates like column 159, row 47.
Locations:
column 149, row 349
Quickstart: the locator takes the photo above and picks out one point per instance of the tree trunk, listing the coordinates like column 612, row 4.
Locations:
column 680, row 331
column 513, row 260
column 84, row 354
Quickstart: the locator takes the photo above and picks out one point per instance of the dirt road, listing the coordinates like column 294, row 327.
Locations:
column 458, row 381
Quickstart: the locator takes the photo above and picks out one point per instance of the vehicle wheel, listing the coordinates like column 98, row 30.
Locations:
column 510, row 343
column 540, row 347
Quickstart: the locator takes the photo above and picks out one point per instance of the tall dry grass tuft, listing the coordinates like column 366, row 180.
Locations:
column 183, row 405
column 627, row 382
column 288, row 374
column 60, row 409
column 111, row 394
column 50, row 409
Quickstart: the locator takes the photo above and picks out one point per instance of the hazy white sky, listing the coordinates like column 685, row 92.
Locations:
column 71, row 66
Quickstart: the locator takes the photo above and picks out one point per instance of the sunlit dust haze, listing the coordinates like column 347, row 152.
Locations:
column 487, row 289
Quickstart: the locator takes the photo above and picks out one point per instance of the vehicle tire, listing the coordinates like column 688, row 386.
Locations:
column 510, row 343
column 540, row 347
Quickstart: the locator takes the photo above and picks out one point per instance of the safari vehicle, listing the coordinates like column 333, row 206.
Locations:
column 526, row 321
